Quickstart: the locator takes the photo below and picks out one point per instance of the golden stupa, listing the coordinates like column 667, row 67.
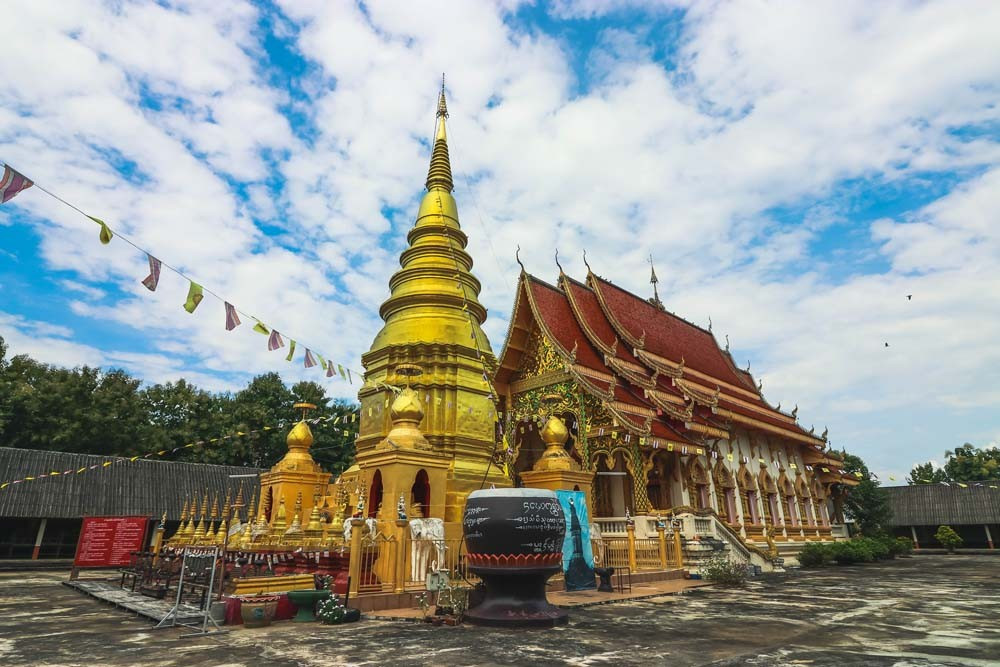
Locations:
column 433, row 322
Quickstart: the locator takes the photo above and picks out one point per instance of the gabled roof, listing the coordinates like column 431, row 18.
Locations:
column 647, row 364
column 138, row 488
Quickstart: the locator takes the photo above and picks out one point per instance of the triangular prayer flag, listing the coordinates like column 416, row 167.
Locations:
column 310, row 361
column 274, row 341
column 260, row 328
column 291, row 350
column 11, row 184
column 342, row 373
column 153, row 278
column 195, row 295
column 105, row 234
column 329, row 369
column 232, row 318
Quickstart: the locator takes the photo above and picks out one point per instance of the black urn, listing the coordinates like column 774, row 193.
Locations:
column 514, row 540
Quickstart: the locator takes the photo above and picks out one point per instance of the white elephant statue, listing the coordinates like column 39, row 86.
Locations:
column 597, row 541
column 369, row 530
column 427, row 546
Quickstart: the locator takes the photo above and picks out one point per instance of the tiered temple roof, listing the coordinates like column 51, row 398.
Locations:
column 662, row 376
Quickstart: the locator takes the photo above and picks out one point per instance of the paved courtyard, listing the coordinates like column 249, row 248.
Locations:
column 928, row 610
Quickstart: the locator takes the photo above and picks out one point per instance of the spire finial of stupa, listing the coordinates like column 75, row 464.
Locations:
column 439, row 172
column 442, row 110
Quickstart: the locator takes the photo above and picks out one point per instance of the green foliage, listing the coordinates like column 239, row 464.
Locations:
column 815, row 554
column 963, row 464
column 857, row 550
column 108, row 412
column 866, row 503
column 731, row 573
column 948, row 538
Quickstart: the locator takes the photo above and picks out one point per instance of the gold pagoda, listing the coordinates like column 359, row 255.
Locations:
column 432, row 342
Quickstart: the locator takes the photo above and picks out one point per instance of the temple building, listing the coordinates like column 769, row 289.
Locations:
column 661, row 420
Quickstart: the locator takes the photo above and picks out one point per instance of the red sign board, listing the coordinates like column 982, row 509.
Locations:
column 107, row 541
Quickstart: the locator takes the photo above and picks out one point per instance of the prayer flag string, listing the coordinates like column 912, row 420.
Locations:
column 12, row 182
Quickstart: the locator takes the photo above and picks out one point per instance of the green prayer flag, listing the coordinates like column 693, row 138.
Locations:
column 195, row 295
column 106, row 234
column 342, row 373
column 291, row 351
column 260, row 328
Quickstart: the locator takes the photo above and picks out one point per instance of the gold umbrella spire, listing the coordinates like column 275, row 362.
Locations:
column 439, row 173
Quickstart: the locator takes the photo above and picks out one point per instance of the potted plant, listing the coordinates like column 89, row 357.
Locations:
column 948, row 538
column 258, row 610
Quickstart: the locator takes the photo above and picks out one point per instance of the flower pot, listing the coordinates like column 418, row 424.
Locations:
column 305, row 601
column 258, row 612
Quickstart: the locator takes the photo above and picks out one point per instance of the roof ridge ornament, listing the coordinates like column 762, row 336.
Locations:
column 561, row 272
column 795, row 411
column 653, row 280
column 517, row 256
column 825, row 433
column 589, row 270
column 727, row 342
column 709, row 324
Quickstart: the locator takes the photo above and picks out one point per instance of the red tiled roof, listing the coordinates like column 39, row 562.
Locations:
column 554, row 311
column 589, row 310
column 576, row 314
column 666, row 334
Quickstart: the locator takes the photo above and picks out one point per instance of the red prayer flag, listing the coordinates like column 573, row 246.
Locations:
column 11, row 184
column 232, row 319
column 153, row 278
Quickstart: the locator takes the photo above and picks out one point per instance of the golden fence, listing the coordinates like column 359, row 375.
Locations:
column 647, row 554
column 391, row 561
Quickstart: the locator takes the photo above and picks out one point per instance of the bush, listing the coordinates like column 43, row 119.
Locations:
column 815, row 554
column 852, row 551
column 725, row 572
column 903, row 546
column 948, row 538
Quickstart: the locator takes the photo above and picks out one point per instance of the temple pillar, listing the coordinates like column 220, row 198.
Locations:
column 38, row 539
column 913, row 534
column 989, row 537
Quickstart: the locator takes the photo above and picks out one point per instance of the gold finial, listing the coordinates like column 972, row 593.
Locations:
column 442, row 103
column 215, row 508
column 305, row 407
column 439, row 173
column 184, row 510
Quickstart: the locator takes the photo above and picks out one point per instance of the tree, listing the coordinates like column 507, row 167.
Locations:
column 926, row 473
column 963, row 464
column 948, row 538
column 108, row 412
column 866, row 503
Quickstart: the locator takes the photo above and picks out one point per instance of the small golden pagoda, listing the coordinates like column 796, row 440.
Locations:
column 296, row 480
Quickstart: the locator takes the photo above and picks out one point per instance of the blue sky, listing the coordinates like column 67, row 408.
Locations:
column 795, row 171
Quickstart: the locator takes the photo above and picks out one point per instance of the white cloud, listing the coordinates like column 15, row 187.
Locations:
column 769, row 105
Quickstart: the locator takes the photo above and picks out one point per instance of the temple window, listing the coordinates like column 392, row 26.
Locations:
column 420, row 494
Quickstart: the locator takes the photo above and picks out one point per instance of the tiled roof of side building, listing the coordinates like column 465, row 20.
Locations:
column 139, row 488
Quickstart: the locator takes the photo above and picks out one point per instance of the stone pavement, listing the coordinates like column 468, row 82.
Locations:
column 927, row 610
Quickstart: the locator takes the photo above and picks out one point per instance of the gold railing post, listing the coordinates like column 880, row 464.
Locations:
column 630, row 531
column 401, row 554
column 661, row 534
column 678, row 549
column 354, row 566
